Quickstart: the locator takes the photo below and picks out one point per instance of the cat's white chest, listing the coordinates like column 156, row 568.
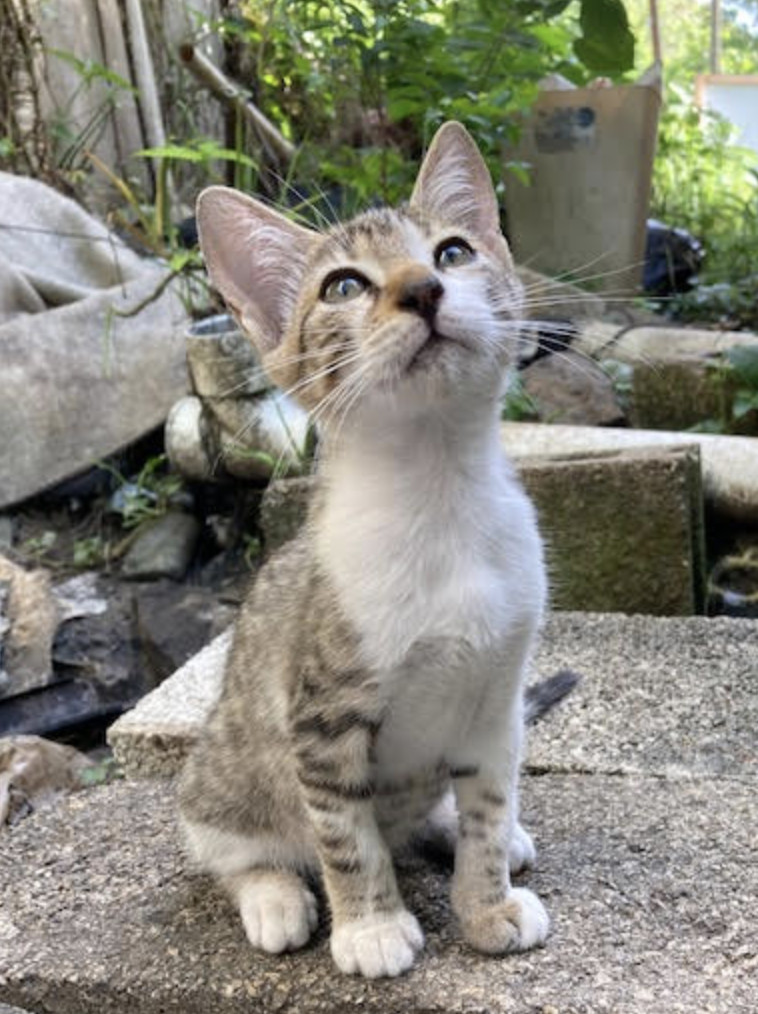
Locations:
column 448, row 562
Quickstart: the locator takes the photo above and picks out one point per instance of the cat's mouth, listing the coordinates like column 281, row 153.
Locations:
column 434, row 345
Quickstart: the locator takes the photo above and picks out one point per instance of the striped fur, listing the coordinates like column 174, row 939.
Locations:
column 374, row 690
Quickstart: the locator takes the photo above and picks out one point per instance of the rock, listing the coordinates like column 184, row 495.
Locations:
column 729, row 464
column 33, row 771
column 568, row 388
column 163, row 549
column 31, row 620
column 174, row 622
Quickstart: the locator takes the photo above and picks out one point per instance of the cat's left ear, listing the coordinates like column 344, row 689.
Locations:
column 454, row 184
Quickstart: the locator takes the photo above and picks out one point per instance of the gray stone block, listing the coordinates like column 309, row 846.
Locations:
column 623, row 528
column 623, row 531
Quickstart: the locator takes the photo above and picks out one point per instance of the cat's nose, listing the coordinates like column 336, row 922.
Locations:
column 420, row 295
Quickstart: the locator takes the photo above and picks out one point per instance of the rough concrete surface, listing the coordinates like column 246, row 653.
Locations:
column 640, row 792
column 651, row 884
column 658, row 696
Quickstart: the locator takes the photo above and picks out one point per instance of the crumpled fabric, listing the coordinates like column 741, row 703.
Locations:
column 76, row 381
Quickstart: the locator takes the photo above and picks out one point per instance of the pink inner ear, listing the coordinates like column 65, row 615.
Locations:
column 454, row 183
column 255, row 258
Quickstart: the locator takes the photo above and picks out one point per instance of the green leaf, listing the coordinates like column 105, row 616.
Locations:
column 744, row 361
column 744, row 402
column 607, row 43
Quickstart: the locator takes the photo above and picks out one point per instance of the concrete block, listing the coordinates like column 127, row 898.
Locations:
column 677, row 394
column 729, row 464
column 623, row 529
column 650, row 884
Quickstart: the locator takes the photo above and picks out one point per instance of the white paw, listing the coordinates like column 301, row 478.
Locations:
column 521, row 851
column 279, row 913
column 377, row 945
column 517, row 923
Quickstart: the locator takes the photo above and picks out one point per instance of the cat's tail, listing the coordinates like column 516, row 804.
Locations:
column 543, row 696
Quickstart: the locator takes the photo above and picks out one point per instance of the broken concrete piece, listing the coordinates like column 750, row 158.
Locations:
column 730, row 464
column 155, row 745
column 163, row 549
column 173, row 622
column 233, row 424
column 33, row 770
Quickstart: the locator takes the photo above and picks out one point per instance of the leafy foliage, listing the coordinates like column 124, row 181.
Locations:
column 364, row 83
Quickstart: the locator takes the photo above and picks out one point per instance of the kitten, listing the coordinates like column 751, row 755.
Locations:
column 380, row 657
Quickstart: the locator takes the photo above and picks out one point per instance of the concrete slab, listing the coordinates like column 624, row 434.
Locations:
column 623, row 531
column 658, row 696
column 730, row 464
column 651, row 885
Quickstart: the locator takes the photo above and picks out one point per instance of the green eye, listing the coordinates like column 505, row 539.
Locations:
column 342, row 287
column 452, row 253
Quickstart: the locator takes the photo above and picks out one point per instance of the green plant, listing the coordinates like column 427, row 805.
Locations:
column 736, row 376
column 518, row 405
column 364, row 83
column 89, row 552
column 150, row 495
column 705, row 183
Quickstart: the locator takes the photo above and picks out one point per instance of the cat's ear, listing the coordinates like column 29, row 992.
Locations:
column 255, row 258
column 454, row 183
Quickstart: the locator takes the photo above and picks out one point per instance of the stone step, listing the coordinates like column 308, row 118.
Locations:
column 730, row 464
column 658, row 697
column 650, row 884
column 640, row 791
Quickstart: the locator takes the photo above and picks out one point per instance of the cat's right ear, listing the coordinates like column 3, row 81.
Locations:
column 255, row 258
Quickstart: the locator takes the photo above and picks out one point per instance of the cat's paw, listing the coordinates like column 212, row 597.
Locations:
column 517, row 923
column 278, row 912
column 521, row 851
column 377, row 945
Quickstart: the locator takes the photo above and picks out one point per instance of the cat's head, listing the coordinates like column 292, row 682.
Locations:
column 402, row 308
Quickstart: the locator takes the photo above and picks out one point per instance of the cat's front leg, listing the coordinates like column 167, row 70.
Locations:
column 373, row 934
column 494, row 916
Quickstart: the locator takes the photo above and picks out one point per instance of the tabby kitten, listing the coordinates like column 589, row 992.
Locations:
column 379, row 660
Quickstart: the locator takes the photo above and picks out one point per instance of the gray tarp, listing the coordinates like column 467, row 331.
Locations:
column 76, row 382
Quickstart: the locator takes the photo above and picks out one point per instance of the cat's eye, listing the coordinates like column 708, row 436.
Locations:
column 453, row 253
column 342, row 286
